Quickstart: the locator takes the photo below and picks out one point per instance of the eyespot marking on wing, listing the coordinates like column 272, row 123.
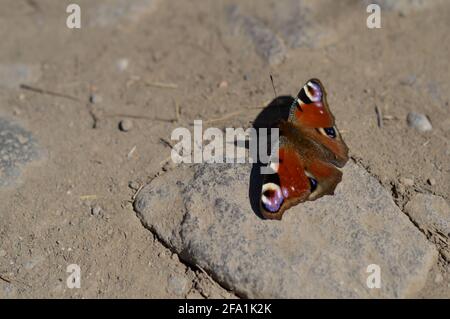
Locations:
column 314, row 184
column 331, row 132
column 310, row 93
column 271, row 197
column 313, row 91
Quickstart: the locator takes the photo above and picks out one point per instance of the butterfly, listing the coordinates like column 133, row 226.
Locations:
column 310, row 152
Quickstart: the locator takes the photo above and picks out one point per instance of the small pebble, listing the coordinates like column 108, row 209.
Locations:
column 125, row 125
column 223, row 85
column 2, row 253
column 431, row 181
column 133, row 185
column 407, row 181
column 95, row 98
column 122, row 64
column 419, row 122
column 96, row 210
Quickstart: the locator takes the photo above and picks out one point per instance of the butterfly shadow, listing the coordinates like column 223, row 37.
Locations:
column 269, row 117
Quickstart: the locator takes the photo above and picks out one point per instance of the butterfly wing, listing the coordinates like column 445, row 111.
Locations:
column 311, row 113
column 311, row 150
column 287, row 185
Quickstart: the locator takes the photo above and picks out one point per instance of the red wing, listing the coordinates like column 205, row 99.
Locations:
column 326, row 177
column 312, row 115
column 311, row 149
column 287, row 186
column 334, row 149
column 310, row 109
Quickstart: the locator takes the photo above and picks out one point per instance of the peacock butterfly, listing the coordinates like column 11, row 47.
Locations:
column 310, row 153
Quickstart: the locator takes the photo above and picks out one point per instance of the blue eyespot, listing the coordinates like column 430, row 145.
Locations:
column 272, row 200
column 313, row 184
column 330, row 131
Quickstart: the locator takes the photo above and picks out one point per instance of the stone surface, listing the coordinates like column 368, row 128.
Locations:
column 96, row 210
column 13, row 75
column 419, row 121
column 300, row 23
column 267, row 44
column 432, row 214
column 125, row 125
column 17, row 147
column 289, row 24
column 95, row 98
column 431, row 181
column 319, row 249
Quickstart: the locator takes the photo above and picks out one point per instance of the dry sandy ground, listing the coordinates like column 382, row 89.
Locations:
column 75, row 204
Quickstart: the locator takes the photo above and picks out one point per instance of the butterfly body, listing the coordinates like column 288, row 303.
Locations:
column 310, row 153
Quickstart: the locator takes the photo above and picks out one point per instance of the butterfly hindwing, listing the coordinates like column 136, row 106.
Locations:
column 287, row 185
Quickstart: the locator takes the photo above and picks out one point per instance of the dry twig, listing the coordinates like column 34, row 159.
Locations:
column 177, row 111
column 161, row 85
column 5, row 279
column 379, row 117
column 206, row 274
column 141, row 117
column 42, row 91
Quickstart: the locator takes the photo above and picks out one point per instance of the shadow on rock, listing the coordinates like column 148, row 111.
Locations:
column 269, row 117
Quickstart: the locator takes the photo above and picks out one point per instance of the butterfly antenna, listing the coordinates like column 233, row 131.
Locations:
column 273, row 85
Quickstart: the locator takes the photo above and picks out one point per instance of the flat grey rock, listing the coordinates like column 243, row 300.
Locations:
column 319, row 249
column 432, row 214
column 17, row 147
column 266, row 42
column 300, row 23
column 290, row 24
